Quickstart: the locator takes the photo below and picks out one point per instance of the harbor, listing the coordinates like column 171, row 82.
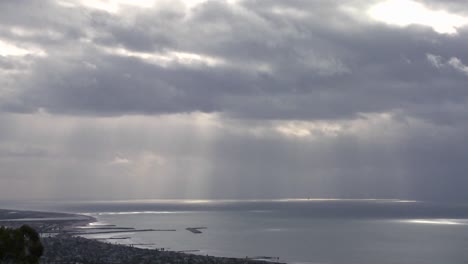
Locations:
column 67, row 244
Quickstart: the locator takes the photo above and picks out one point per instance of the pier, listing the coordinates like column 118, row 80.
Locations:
column 195, row 230
column 120, row 231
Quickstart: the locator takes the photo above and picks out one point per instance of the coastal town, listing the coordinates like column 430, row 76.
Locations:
column 68, row 249
column 62, row 243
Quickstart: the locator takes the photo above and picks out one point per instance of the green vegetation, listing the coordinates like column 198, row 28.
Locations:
column 21, row 245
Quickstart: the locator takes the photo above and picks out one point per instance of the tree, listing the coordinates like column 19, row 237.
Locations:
column 22, row 245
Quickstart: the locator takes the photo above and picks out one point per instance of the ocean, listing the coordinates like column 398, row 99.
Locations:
column 324, row 231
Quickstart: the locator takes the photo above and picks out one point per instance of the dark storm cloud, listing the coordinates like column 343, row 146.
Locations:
column 318, row 62
column 456, row 6
column 8, row 64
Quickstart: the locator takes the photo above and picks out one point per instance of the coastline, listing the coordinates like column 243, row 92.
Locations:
column 44, row 222
column 63, row 244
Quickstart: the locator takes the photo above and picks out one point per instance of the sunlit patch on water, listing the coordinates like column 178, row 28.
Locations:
column 437, row 221
column 275, row 229
column 95, row 224
column 143, row 212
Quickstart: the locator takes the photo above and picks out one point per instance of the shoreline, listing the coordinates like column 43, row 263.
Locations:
column 64, row 244
column 44, row 222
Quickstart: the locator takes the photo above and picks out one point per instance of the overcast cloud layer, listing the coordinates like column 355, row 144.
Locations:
column 233, row 99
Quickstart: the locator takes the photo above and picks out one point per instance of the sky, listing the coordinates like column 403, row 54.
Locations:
column 233, row 99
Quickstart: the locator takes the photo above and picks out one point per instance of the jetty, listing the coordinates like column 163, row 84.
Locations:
column 195, row 230
column 120, row 231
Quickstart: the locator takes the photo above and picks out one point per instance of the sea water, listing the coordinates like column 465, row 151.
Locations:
column 295, row 231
